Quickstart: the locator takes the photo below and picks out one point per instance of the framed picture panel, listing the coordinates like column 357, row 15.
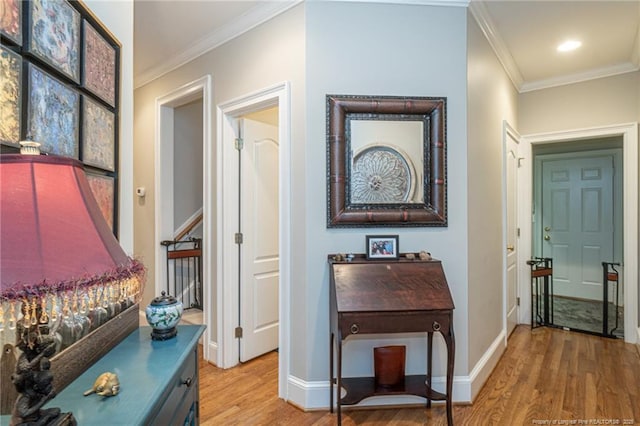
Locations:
column 103, row 188
column 11, row 20
column 10, row 96
column 59, row 86
column 386, row 161
column 99, row 69
column 52, row 114
column 98, row 142
column 54, row 35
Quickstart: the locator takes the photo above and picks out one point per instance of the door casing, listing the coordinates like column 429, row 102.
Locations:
column 201, row 88
column 227, row 224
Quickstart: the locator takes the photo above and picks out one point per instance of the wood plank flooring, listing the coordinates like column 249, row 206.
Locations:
column 545, row 375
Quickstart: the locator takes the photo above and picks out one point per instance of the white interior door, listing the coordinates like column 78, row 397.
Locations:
column 512, row 232
column 259, row 252
column 577, row 222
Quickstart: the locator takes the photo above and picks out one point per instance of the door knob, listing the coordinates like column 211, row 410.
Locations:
column 547, row 237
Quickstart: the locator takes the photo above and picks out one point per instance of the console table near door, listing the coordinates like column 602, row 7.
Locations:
column 389, row 296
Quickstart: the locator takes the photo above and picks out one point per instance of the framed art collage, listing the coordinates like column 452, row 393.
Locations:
column 60, row 71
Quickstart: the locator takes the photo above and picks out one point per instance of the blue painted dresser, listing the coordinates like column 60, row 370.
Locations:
column 158, row 383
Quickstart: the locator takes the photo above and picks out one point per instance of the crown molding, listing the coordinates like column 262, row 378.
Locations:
column 254, row 17
column 579, row 77
column 250, row 20
column 483, row 18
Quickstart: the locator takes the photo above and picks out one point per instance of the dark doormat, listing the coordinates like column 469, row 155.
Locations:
column 586, row 315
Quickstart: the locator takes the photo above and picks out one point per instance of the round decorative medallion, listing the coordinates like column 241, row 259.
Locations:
column 381, row 175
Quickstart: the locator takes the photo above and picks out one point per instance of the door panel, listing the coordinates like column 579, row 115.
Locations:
column 512, row 233
column 577, row 222
column 259, row 313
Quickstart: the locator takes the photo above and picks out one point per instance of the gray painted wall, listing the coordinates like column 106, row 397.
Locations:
column 187, row 162
column 381, row 49
column 610, row 100
column 492, row 99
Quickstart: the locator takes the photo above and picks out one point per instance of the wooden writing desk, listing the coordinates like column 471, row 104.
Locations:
column 389, row 296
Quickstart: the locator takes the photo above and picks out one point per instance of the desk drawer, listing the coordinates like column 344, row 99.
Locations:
column 393, row 322
column 182, row 387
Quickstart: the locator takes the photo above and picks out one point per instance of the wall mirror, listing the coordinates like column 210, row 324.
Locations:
column 386, row 161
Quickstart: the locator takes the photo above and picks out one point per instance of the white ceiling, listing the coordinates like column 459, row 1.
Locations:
column 524, row 34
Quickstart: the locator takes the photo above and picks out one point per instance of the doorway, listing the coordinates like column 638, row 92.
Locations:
column 166, row 143
column 232, row 118
column 578, row 224
column 629, row 135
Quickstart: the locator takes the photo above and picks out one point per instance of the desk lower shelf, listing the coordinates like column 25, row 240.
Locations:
column 359, row 388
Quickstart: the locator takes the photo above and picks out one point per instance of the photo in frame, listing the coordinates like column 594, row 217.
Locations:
column 52, row 114
column 98, row 131
column 382, row 247
column 54, row 35
column 11, row 20
column 103, row 188
column 99, row 66
column 10, row 96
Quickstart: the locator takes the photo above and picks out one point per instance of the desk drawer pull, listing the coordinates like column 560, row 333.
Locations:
column 436, row 326
column 354, row 328
column 188, row 382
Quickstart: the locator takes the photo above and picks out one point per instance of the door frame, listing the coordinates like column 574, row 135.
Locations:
column 201, row 88
column 629, row 134
column 227, row 224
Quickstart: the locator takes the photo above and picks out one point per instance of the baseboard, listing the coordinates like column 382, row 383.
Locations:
column 638, row 341
column 213, row 353
column 484, row 367
column 314, row 395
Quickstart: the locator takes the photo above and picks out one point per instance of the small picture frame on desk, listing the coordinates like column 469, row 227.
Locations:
column 382, row 247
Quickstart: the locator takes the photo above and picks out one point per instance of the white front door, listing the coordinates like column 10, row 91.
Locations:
column 511, row 158
column 577, row 222
column 259, row 251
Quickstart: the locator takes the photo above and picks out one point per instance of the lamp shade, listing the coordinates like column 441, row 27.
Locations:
column 53, row 235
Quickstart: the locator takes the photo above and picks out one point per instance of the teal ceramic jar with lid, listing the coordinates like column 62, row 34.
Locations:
column 163, row 315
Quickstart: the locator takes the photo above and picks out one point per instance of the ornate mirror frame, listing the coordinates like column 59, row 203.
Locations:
column 346, row 208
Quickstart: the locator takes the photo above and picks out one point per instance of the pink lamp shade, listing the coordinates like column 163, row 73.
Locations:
column 53, row 236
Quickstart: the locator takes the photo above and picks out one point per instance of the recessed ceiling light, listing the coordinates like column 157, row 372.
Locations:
column 569, row 45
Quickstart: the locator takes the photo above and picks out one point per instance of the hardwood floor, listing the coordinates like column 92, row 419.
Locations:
column 544, row 375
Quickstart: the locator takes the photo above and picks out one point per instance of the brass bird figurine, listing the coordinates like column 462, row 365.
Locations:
column 107, row 384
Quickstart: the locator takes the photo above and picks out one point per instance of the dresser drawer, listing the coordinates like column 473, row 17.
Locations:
column 393, row 322
column 182, row 389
